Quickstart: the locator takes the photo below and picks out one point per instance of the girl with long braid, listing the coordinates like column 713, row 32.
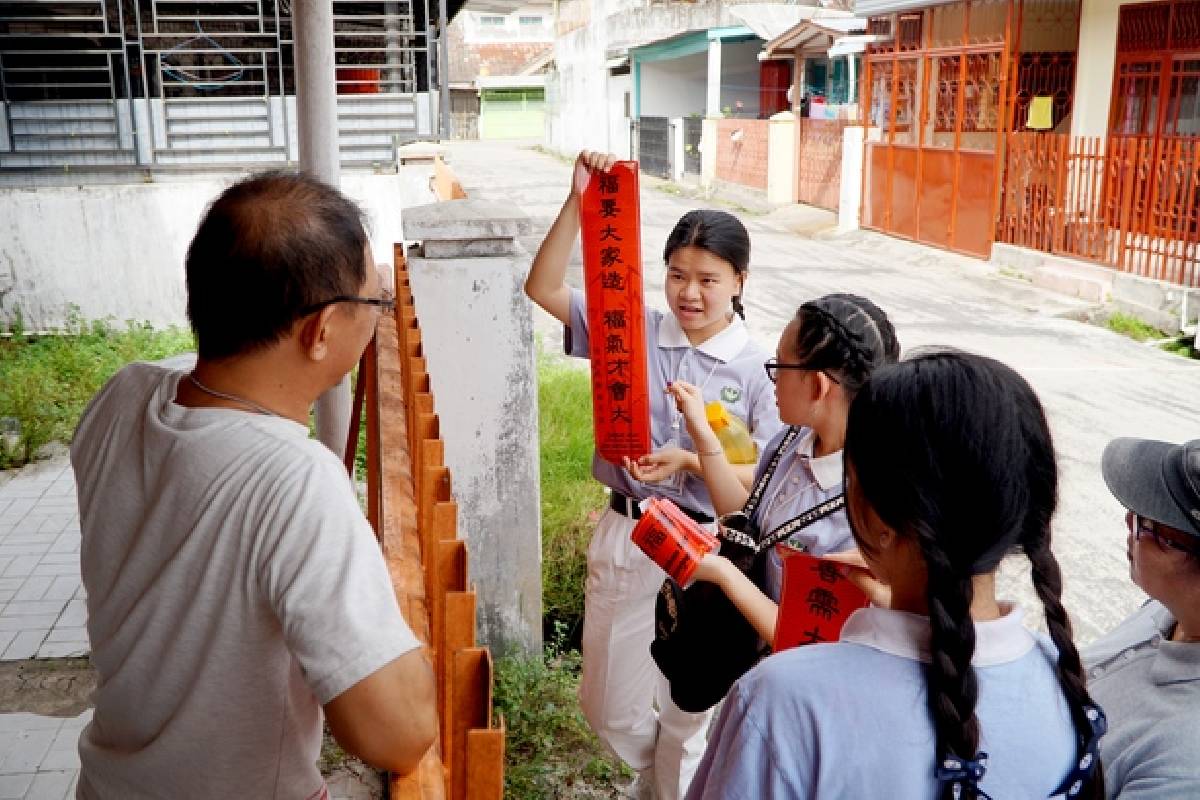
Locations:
column 825, row 354
column 949, row 468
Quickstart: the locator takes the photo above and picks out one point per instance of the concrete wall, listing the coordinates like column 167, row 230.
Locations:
column 117, row 251
column 580, row 57
column 674, row 87
column 850, row 201
column 740, row 78
column 619, row 125
column 1097, row 59
column 742, row 152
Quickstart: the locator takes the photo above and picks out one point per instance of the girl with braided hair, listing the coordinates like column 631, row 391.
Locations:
column 949, row 468
column 824, row 356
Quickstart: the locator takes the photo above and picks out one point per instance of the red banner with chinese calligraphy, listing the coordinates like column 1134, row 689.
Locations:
column 610, row 223
column 815, row 602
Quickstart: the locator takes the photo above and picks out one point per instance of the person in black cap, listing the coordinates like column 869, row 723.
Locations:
column 1146, row 673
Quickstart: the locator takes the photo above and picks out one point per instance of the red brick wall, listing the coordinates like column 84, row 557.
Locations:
column 743, row 161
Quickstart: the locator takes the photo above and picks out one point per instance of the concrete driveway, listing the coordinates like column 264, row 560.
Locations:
column 1096, row 385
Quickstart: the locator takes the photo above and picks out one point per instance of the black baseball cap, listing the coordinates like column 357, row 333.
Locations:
column 1156, row 480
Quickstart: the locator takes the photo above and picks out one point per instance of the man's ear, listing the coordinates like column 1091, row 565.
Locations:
column 315, row 332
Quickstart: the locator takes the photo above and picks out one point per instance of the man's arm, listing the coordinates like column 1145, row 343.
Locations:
column 389, row 718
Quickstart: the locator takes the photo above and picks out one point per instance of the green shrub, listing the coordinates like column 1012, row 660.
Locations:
column 550, row 752
column 571, row 498
column 47, row 381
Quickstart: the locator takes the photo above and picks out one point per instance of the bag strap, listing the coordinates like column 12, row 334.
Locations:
column 760, row 485
column 814, row 514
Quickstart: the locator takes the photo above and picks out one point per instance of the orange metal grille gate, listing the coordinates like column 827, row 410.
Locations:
column 941, row 90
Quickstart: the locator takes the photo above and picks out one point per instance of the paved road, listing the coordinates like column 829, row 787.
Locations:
column 1095, row 384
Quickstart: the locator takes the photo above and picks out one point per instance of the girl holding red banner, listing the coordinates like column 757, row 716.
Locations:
column 702, row 340
column 825, row 355
column 950, row 468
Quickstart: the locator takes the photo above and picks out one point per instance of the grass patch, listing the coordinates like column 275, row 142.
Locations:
column 1134, row 328
column 571, row 498
column 550, row 751
column 47, row 381
column 1183, row 346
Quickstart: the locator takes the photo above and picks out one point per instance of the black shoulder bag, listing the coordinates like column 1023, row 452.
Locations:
column 702, row 643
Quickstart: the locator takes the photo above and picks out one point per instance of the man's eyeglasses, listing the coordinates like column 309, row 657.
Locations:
column 772, row 366
column 386, row 302
column 1162, row 535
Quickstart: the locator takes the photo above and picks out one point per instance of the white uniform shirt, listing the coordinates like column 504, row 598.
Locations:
column 234, row 587
column 728, row 367
column 801, row 482
column 849, row 719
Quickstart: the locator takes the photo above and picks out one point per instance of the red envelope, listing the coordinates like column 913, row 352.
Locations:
column 672, row 539
column 815, row 602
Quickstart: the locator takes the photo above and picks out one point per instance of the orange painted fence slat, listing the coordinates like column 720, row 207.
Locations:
column 412, row 509
column 1128, row 202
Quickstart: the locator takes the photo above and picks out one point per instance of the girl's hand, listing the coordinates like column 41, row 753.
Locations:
column 855, row 568
column 589, row 161
column 660, row 465
column 711, row 567
column 690, row 403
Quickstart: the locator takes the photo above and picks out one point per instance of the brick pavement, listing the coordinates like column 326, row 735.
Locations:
column 42, row 609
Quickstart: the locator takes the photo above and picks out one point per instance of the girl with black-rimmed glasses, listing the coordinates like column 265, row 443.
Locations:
column 824, row 356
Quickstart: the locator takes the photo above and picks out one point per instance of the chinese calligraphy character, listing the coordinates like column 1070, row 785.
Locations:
column 827, row 571
column 615, row 343
column 822, row 603
column 610, row 256
column 608, row 207
column 621, row 415
column 608, row 183
column 613, row 280
column 609, row 232
column 813, row 637
column 617, row 367
column 614, row 318
column 618, row 389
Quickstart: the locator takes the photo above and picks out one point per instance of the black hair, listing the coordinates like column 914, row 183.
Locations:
column 718, row 232
column 953, row 450
column 847, row 335
column 268, row 247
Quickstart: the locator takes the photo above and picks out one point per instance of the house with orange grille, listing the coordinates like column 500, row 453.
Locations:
column 1059, row 127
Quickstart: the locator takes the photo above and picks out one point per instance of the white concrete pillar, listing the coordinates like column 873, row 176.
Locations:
column 467, row 281
column 677, row 151
column 713, row 104
column 316, row 109
column 850, row 199
column 781, row 158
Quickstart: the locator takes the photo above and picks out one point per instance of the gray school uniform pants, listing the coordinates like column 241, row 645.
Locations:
column 624, row 697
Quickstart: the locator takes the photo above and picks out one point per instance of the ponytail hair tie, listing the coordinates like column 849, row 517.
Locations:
column 961, row 773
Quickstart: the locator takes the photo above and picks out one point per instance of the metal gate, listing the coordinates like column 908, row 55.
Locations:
column 114, row 83
column 654, row 146
column 819, row 161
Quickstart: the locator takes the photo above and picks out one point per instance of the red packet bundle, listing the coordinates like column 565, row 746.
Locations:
column 610, row 223
column 815, row 602
column 672, row 539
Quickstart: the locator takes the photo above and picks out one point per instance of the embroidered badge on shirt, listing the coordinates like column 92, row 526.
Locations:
column 731, row 394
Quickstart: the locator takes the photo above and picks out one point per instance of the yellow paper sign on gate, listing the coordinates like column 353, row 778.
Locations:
column 1041, row 114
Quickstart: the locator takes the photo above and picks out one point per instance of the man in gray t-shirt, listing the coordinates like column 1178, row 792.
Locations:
column 235, row 590
column 1146, row 673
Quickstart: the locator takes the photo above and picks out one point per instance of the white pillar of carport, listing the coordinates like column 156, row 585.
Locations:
column 713, row 104
column 316, row 110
